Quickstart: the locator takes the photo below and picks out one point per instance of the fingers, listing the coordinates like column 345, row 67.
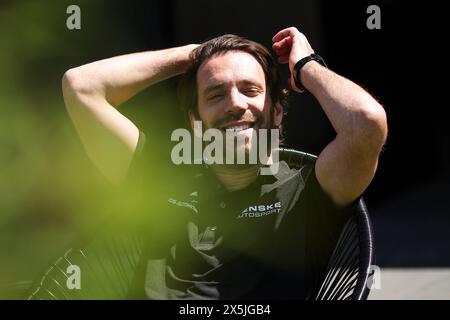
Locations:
column 283, row 59
column 288, row 32
column 291, row 45
column 282, row 43
column 282, row 47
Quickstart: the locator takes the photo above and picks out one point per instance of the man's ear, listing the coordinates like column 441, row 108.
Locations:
column 278, row 114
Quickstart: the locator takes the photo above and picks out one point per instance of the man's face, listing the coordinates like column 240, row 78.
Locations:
column 232, row 94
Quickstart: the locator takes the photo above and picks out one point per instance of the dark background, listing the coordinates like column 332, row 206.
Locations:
column 402, row 65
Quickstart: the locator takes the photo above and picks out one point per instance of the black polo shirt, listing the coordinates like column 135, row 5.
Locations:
column 270, row 240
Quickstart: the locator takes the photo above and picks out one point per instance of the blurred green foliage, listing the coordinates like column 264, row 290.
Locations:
column 49, row 190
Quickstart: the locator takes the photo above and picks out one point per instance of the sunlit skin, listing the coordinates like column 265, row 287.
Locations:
column 344, row 168
column 232, row 92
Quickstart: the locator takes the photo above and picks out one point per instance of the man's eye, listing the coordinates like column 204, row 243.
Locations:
column 215, row 96
column 252, row 91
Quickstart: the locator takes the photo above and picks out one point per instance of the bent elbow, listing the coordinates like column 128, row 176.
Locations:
column 372, row 125
column 377, row 121
column 75, row 82
column 71, row 81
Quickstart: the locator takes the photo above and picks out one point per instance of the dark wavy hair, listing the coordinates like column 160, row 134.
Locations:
column 187, row 89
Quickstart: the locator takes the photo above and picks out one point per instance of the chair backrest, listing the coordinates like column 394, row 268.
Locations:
column 105, row 271
column 348, row 269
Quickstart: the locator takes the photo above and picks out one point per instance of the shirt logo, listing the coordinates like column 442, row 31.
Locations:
column 261, row 210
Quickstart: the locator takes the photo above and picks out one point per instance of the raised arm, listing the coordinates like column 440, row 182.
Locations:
column 93, row 91
column 347, row 165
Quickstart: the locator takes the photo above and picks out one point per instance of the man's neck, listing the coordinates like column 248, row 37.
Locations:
column 235, row 177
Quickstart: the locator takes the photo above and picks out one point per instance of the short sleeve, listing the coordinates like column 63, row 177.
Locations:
column 144, row 196
column 153, row 179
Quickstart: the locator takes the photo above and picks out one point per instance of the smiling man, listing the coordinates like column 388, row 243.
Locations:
column 233, row 233
column 230, row 91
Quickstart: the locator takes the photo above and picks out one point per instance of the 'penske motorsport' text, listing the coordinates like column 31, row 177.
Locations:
column 261, row 210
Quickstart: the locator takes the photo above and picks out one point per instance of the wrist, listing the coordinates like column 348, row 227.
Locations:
column 178, row 58
column 305, row 68
column 308, row 72
column 186, row 54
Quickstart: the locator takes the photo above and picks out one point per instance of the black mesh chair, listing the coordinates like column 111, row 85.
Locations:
column 348, row 269
column 108, row 266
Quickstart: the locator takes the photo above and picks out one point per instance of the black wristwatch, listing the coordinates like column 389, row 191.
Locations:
column 299, row 65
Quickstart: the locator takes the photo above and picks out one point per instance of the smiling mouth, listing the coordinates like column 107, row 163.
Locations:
column 238, row 127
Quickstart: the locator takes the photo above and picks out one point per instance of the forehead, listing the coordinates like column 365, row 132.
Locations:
column 230, row 67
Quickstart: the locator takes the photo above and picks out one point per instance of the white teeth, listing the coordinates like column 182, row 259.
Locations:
column 239, row 128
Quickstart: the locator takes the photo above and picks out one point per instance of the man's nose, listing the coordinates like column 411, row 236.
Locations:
column 236, row 102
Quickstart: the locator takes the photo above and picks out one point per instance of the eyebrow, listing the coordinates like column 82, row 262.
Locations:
column 217, row 86
column 213, row 87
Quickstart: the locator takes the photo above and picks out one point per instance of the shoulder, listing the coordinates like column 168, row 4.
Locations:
column 298, row 170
